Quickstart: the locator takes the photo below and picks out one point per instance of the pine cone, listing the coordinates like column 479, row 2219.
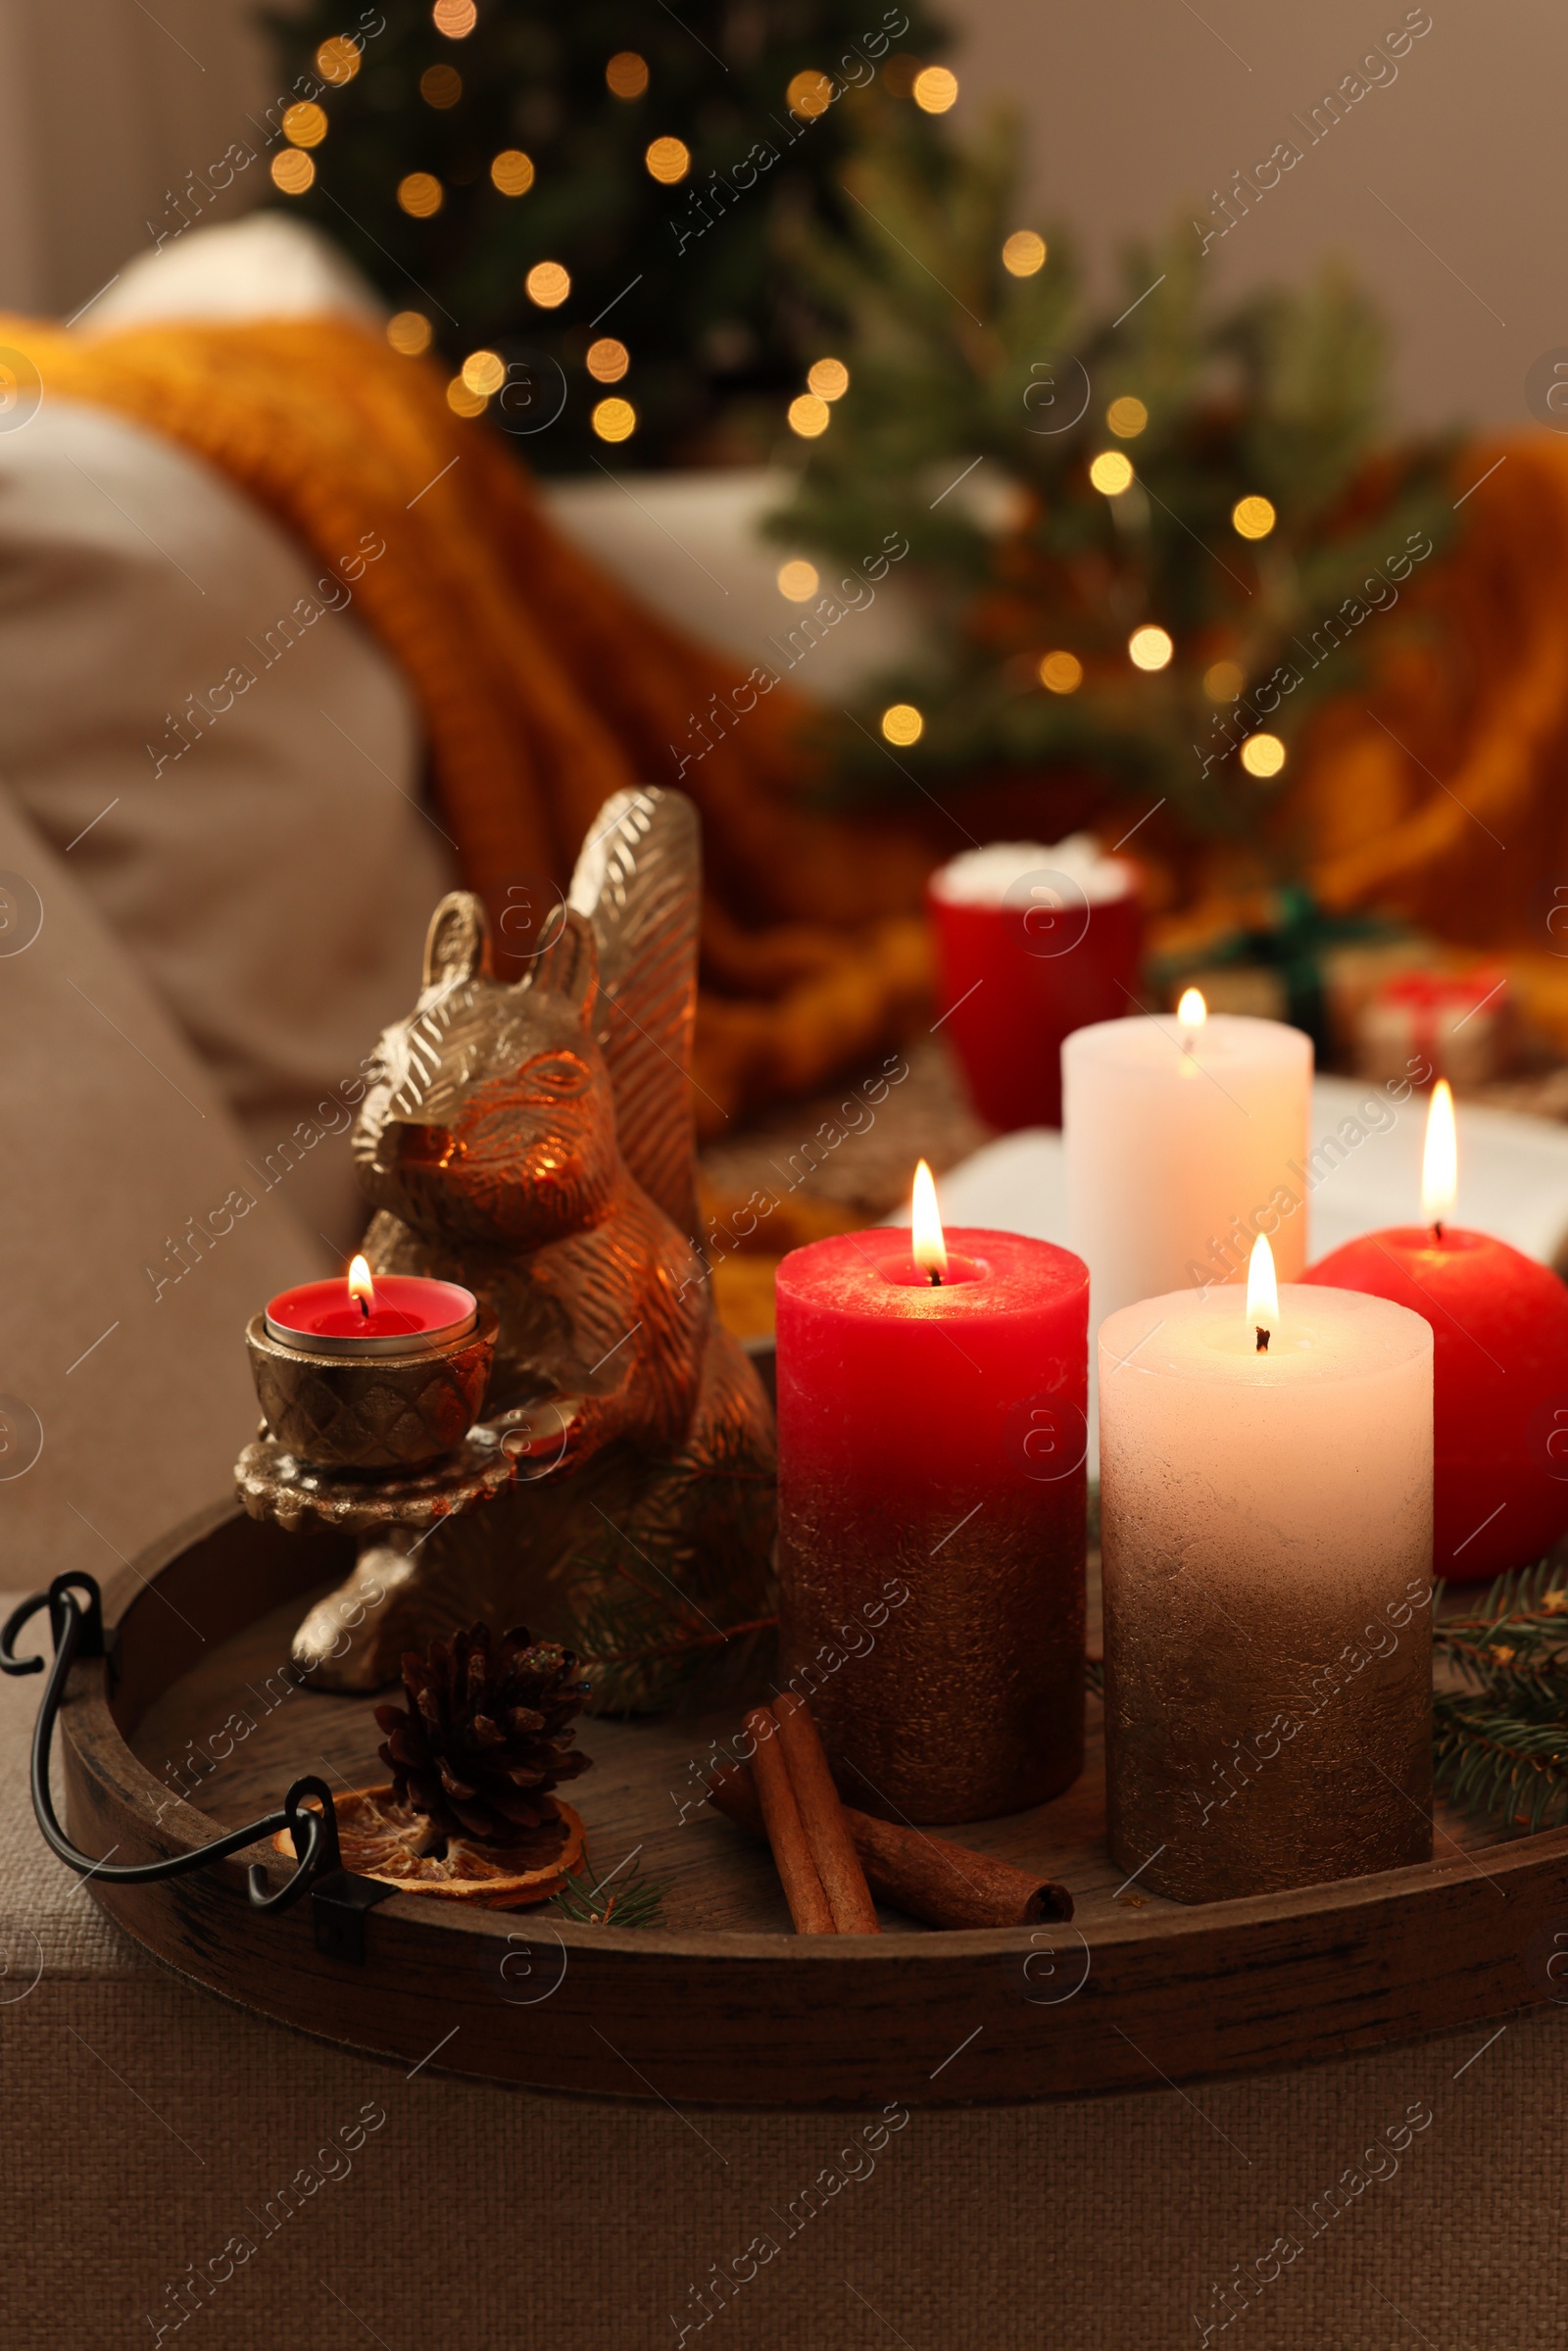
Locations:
column 486, row 1734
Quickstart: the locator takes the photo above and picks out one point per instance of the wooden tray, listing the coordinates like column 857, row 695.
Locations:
column 724, row 2004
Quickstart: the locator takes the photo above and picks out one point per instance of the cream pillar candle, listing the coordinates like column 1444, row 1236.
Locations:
column 1266, row 1529
column 1179, row 1138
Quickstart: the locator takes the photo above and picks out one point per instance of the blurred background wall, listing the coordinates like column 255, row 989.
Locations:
column 1137, row 110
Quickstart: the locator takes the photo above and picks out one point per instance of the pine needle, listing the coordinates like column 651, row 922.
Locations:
column 625, row 1898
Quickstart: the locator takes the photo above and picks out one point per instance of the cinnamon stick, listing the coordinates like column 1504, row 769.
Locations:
column 827, row 1832
column 930, row 1877
column 779, row 1821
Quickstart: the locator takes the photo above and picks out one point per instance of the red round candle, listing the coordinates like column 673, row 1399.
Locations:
column 406, row 1314
column 932, row 1495
column 1499, row 1327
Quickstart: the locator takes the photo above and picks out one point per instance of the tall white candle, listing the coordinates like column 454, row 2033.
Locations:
column 1180, row 1136
column 1266, row 1528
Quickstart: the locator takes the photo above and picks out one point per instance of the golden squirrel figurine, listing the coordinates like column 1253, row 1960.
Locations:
column 533, row 1140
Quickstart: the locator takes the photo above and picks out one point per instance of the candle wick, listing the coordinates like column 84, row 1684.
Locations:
column 365, row 1309
column 1262, row 1340
column 936, row 1277
column 1437, row 1228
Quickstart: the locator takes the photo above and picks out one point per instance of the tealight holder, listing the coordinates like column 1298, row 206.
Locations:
column 385, row 1411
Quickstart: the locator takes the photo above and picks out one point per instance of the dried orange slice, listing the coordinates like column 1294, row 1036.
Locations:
column 381, row 1839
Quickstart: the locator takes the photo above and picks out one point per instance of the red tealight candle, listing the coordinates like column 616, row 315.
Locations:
column 931, row 1424
column 1499, row 1327
column 389, row 1314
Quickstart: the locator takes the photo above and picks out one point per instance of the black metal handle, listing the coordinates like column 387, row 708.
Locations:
column 75, row 1619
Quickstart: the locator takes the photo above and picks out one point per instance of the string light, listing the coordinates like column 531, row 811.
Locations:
column 1112, row 472
column 830, row 379
column 668, row 160
column 1253, row 518
column 627, row 74
column 1150, row 648
column 901, row 723
column 798, row 580
column 1127, row 418
column 614, row 419
column 935, row 89
column 1023, row 253
column 548, row 284
column 608, row 359
column 420, row 194
column 409, row 332
column 513, row 172
column 809, row 415
column 1262, row 755
column 1062, row 673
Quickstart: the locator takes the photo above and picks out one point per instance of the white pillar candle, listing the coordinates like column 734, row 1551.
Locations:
column 1266, row 1529
column 1185, row 1138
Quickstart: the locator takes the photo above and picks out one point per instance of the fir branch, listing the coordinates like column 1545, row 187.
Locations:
column 1492, row 1766
column 1514, row 1647
column 627, row 1898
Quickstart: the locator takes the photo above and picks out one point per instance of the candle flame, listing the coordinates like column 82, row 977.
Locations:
column 361, row 1286
column 1262, row 1293
column 1440, row 1162
column 930, row 1246
column 1192, row 1011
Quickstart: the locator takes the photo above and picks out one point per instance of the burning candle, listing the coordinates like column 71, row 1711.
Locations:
column 1266, row 1516
column 390, row 1314
column 1180, row 1139
column 931, row 1402
column 1499, row 1325
column 378, row 1372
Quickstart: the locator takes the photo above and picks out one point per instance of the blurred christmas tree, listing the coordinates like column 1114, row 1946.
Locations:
column 592, row 200
column 1145, row 544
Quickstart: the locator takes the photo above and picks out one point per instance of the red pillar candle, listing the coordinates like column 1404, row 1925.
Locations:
column 1500, row 1326
column 932, row 1516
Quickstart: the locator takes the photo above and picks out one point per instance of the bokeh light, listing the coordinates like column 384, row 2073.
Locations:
column 810, row 414
column 484, row 372
column 304, row 125
column 830, row 379
column 420, row 194
column 441, row 85
column 1150, row 648
column 810, row 94
column 1112, row 472
column 1023, row 253
column 513, row 172
column 797, row 579
column 548, row 284
column 337, row 61
column 409, row 332
column 903, row 723
column 1253, row 517
column 292, row 171
column 1127, row 418
column 1062, row 672
column 667, row 161
column 614, row 419
column 463, row 400
column 1262, row 755
column 608, row 359
column 457, row 19
column 1223, row 681
column 626, row 73
column 935, row 89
